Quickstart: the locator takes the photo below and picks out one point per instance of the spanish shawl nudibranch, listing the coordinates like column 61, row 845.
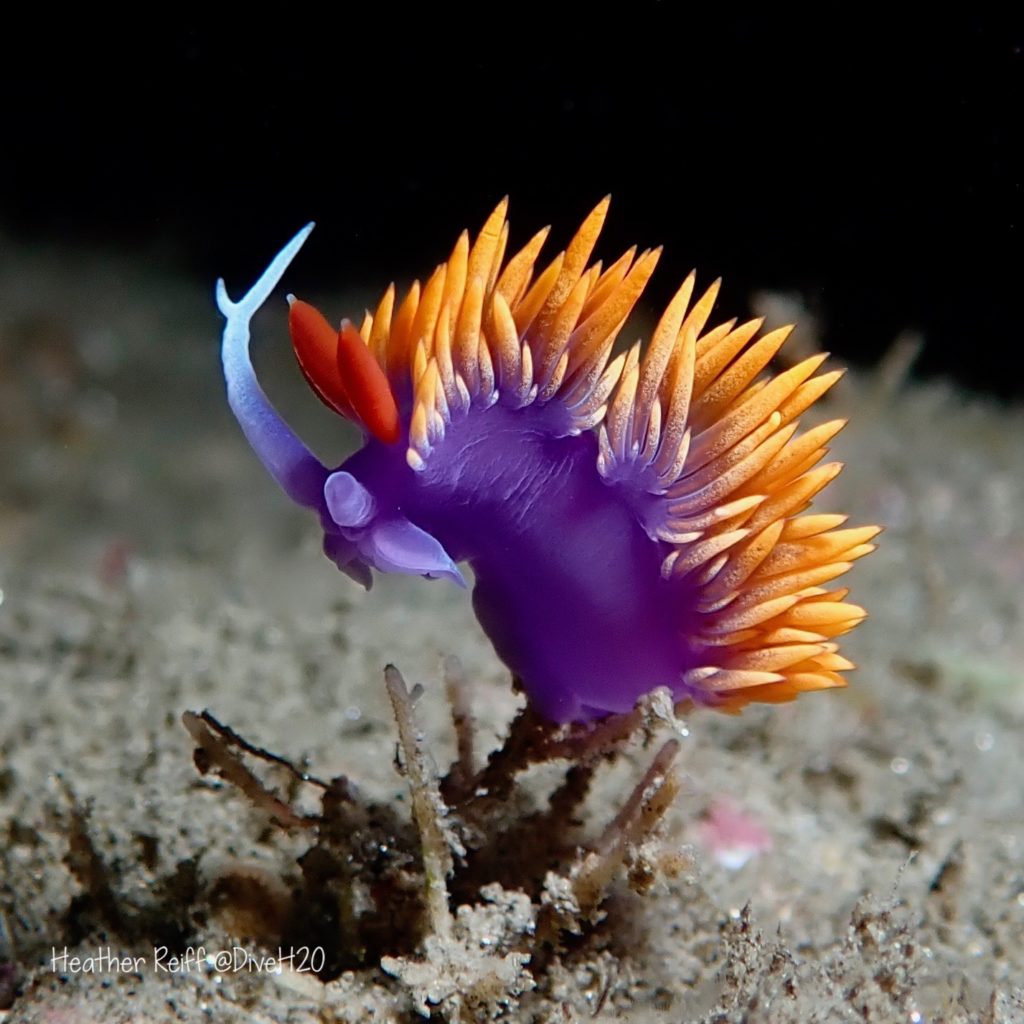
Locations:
column 631, row 522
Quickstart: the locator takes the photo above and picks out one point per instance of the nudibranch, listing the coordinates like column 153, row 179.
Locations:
column 632, row 520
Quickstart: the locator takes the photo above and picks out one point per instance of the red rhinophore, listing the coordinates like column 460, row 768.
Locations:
column 316, row 347
column 366, row 386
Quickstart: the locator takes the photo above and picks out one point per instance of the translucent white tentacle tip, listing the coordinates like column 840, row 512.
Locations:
column 260, row 291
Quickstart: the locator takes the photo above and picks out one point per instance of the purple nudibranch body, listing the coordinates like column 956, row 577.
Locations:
column 630, row 522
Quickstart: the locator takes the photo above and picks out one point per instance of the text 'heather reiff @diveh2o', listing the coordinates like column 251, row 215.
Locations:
column 234, row 959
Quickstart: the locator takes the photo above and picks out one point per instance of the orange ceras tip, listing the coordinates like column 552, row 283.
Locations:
column 366, row 386
column 316, row 347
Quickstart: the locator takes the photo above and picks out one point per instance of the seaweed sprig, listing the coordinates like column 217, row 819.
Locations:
column 467, row 902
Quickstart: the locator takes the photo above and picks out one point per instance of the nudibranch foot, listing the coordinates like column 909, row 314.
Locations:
column 633, row 520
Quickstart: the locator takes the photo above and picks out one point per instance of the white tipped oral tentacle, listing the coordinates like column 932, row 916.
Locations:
column 299, row 473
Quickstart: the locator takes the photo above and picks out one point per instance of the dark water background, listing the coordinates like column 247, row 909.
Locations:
column 868, row 162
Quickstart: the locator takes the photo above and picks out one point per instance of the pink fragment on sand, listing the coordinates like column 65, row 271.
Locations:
column 731, row 835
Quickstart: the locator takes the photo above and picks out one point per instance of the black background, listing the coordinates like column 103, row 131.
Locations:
column 867, row 160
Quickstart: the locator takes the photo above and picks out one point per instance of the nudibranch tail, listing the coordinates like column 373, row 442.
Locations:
column 651, row 503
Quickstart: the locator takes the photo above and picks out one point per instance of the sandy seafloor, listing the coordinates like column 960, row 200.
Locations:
column 148, row 566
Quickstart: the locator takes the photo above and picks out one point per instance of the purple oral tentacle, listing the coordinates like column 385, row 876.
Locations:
column 397, row 545
column 296, row 469
column 345, row 555
column 349, row 503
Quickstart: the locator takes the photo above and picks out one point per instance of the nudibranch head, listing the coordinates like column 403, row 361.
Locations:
column 632, row 521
